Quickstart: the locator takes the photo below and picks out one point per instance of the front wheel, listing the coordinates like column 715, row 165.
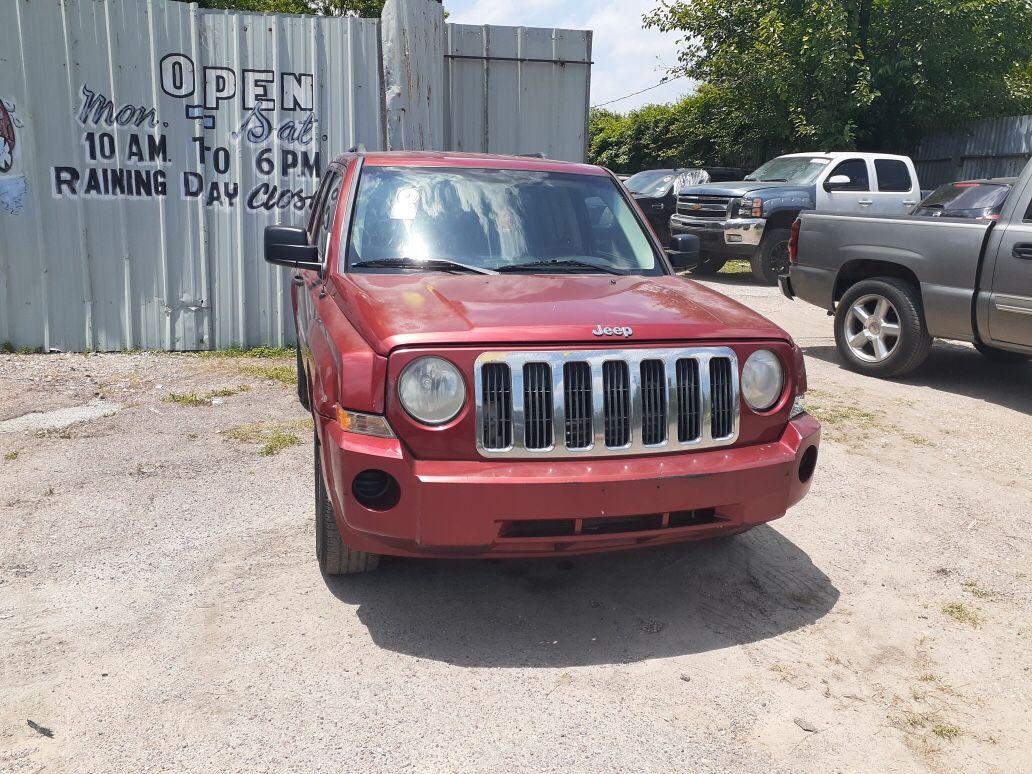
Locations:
column 707, row 266
column 334, row 557
column 771, row 257
column 880, row 328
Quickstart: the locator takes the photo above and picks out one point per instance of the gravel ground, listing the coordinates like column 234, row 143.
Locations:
column 161, row 608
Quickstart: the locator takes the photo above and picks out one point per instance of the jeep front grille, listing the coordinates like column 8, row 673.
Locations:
column 605, row 402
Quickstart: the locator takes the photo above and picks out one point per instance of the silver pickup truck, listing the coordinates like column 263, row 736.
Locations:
column 895, row 282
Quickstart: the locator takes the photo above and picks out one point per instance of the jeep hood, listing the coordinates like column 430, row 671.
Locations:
column 400, row 310
column 741, row 188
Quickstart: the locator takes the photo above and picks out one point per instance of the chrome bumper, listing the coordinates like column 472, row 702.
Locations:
column 735, row 231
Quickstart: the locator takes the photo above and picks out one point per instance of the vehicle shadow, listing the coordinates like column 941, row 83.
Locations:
column 961, row 370
column 600, row 609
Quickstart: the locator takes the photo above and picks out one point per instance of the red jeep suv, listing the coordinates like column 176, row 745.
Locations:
column 501, row 361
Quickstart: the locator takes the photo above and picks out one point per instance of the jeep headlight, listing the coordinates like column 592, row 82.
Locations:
column 763, row 380
column 431, row 390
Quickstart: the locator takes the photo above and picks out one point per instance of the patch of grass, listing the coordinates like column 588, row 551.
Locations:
column 917, row 440
column 736, row 266
column 277, row 442
column 192, row 436
column 961, row 613
column 10, row 456
column 7, row 347
column 274, row 437
column 972, row 588
column 286, row 375
column 193, row 399
column 25, row 350
column 946, row 730
column 837, row 415
column 266, row 352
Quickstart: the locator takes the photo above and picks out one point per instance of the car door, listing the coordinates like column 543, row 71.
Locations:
column 894, row 191
column 309, row 284
column 1010, row 303
column 854, row 197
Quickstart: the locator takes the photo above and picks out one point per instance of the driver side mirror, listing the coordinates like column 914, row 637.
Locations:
column 288, row 246
column 837, row 182
column 684, row 251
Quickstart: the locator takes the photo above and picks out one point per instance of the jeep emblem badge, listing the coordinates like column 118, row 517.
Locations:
column 624, row 331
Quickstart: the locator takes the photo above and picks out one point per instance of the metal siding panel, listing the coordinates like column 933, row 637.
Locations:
column 995, row 147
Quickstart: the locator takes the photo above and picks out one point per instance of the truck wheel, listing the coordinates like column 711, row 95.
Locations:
column 334, row 557
column 771, row 257
column 880, row 328
column 1000, row 355
column 302, row 381
column 709, row 266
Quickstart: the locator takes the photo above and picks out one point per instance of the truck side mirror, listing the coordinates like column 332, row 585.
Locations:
column 288, row 246
column 837, row 181
column 684, row 251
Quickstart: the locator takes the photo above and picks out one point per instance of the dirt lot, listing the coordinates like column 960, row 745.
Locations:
column 161, row 608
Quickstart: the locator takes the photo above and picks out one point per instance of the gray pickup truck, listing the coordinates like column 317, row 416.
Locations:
column 895, row 282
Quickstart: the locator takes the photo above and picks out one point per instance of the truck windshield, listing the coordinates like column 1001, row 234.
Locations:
column 419, row 218
column 799, row 170
column 652, row 182
column 959, row 199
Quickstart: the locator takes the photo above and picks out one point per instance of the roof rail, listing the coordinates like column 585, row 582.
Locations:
column 534, row 155
column 360, row 148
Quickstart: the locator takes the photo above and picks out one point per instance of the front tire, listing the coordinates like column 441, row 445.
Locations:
column 334, row 557
column 708, row 266
column 771, row 257
column 880, row 328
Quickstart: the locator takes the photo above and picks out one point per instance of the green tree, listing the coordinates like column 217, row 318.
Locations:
column 807, row 74
column 363, row 8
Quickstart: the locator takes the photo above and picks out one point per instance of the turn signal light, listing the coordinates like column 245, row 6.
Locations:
column 363, row 424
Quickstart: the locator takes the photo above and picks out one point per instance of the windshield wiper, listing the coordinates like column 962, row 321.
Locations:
column 438, row 264
column 773, row 180
column 560, row 263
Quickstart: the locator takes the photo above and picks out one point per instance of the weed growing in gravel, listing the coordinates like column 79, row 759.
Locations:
column 277, row 442
column 945, row 731
column 736, row 266
column 7, row 347
column 193, row 399
column 269, row 352
column 960, row 612
column 10, row 456
column 972, row 588
column 49, row 492
column 283, row 374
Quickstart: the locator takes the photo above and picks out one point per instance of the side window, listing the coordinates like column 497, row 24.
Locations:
column 328, row 207
column 856, row 171
column 1028, row 214
column 892, row 175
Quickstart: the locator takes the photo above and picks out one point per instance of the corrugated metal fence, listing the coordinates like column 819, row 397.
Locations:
column 145, row 145
column 996, row 147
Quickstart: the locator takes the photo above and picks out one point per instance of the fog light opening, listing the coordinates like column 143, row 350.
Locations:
column 376, row 490
column 808, row 464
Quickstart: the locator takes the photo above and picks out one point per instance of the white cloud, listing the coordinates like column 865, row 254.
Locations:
column 627, row 57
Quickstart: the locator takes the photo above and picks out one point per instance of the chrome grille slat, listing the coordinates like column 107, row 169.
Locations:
column 704, row 206
column 579, row 420
column 605, row 402
column 537, row 402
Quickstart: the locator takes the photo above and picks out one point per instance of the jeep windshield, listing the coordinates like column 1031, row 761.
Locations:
column 420, row 219
column 798, row 170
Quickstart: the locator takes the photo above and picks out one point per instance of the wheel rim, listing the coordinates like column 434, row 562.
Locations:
column 777, row 259
column 872, row 328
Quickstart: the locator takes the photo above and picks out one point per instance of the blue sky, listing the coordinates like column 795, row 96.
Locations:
column 627, row 58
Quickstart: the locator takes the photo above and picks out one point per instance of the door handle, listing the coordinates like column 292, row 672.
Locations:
column 909, row 202
column 1023, row 250
column 298, row 279
column 865, row 202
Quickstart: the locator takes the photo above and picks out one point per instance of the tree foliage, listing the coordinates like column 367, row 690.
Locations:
column 363, row 8
column 808, row 74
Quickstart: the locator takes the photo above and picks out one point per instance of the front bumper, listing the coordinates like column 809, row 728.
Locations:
column 735, row 236
column 497, row 508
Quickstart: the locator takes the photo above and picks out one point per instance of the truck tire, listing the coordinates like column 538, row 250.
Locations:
column 709, row 265
column 880, row 328
column 302, row 381
column 771, row 257
column 1001, row 355
column 334, row 557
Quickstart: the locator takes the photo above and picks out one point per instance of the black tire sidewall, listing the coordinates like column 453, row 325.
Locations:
column 912, row 327
column 760, row 261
